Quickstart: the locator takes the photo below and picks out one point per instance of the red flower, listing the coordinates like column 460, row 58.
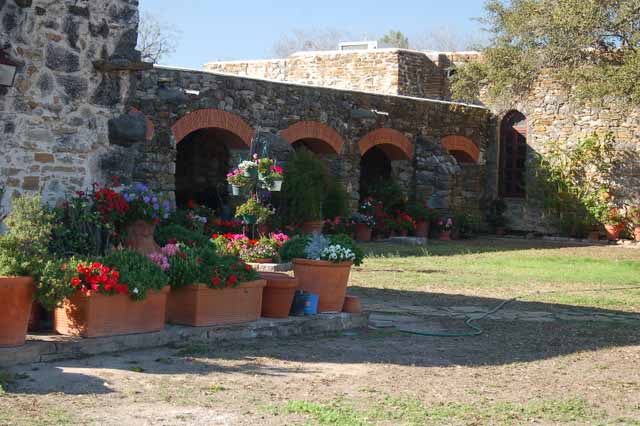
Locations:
column 248, row 268
column 216, row 281
column 191, row 204
column 172, row 241
column 232, row 280
column 76, row 282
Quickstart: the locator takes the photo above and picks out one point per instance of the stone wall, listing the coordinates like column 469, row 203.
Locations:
column 552, row 116
column 166, row 95
column 54, row 120
column 384, row 71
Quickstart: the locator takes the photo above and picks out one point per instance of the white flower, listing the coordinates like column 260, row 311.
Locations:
column 135, row 291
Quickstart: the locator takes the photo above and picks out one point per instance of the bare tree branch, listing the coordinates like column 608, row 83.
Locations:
column 301, row 40
column 156, row 39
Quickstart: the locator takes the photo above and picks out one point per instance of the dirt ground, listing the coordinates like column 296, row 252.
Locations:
column 516, row 373
column 562, row 360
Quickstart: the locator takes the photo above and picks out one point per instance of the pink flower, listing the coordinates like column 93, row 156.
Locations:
column 170, row 250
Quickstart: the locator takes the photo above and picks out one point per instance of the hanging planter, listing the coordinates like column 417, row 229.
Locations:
column 276, row 186
column 235, row 190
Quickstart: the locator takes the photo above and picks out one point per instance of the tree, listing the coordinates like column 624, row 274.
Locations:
column 156, row 39
column 445, row 39
column 394, row 39
column 308, row 40
column 592, row 47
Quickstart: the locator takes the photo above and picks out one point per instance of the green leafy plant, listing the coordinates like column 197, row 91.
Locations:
column 176, row 233
column 137, row 272
column 389, row 193
column 420, row 212
column 633, row 213
column 336, row 203
column 17, row 259
column 304, row 187
column 252, row 211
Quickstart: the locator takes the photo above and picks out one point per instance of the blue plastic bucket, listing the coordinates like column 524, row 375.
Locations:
column 311, row 305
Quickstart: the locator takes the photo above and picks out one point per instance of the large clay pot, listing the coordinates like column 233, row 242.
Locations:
column 363, row 232
column 352, row 305
column 312, row 227
column 422, row 229
column 594, row 236
column 16, row 297
column 98, row 315
column 613, row 231
column 326, row 279
column 140, row 237
column 278, row 294
column 445, row 235
column 636, row 233
column 198, row 305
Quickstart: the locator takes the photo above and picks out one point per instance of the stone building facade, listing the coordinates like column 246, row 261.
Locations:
column 84, row 107
column 54, row 120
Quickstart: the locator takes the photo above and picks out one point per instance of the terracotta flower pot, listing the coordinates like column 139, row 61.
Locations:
column 198, row 305
column 16, row 297
column 422, row 229
column 262, row 261
column 636, row 233
column 352, row 305
column 140, row 237
column 613, row 231
column 363, row 232
column 99, row 315
column 326, row 279
column 594, row 236
column 278, row 294
column 313, row 227
column 445, row 235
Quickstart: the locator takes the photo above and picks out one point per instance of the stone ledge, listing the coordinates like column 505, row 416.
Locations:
column 272, row 267
column 45, row 348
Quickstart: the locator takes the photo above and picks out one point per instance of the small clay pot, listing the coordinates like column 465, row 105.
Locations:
column 445, row 235
column 422, row 229
column 363, row 233
column 613, row 231
column 352, row 305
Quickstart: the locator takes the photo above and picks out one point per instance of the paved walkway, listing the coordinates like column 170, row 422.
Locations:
column 409, row 313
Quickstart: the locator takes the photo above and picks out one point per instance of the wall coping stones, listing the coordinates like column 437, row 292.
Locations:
column 321, row 88
column 46, row 348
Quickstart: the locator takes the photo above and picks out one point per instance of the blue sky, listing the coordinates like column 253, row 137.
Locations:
column 228, row 30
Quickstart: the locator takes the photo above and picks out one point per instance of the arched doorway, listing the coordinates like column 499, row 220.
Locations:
column 206, row 141
column 513, row 155
column 463, row 149
column 318, row 138
column 381, row 151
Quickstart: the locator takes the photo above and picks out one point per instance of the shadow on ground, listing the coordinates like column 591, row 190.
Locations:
column 503, row 343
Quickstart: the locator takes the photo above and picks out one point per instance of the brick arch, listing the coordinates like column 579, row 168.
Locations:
column 316, row 131
column 461, row 144
column 212, row 118
column 394, row 143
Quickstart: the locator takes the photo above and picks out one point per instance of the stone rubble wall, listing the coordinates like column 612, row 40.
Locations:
column 552, row 116
column 165, row 95
column 384, row 71
column 54, row 120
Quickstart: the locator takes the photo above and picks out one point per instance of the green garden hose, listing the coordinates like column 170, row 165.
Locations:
column 478, row 331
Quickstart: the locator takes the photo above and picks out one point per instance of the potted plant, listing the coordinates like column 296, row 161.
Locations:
column 123, row 293
column 405, row 224
column 363, row 226
column 208, row 289
column 263, row 250
column 16, row 292
column 445, row 225
column 495, row 216
column 422, row 216
column 23, row 253
column 146, row 209
column 613, row 223
column 322, row 265
column 634, row 217
column 238, row 181
column 252, row 212
column 270, row 174
column 304, row 187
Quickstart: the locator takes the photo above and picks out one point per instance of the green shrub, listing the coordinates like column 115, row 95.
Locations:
column 336, row 204
column 184, row 268
column 137, row 271
column 17, row 260
column 30, row 221
column 181, row 234
column 55, row 282
column 304, row 187
column 389, row 192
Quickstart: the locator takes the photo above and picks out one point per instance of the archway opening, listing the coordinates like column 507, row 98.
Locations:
column 513, row 155
column 317, row 146
column 462, row 157
column 375, row 167
column 202, row 163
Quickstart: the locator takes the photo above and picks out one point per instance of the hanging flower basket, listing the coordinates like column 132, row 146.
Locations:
column 235, row 190
column 249, row 219
column 276, row 186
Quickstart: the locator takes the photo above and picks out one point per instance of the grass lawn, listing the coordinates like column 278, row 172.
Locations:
column 464, row 272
